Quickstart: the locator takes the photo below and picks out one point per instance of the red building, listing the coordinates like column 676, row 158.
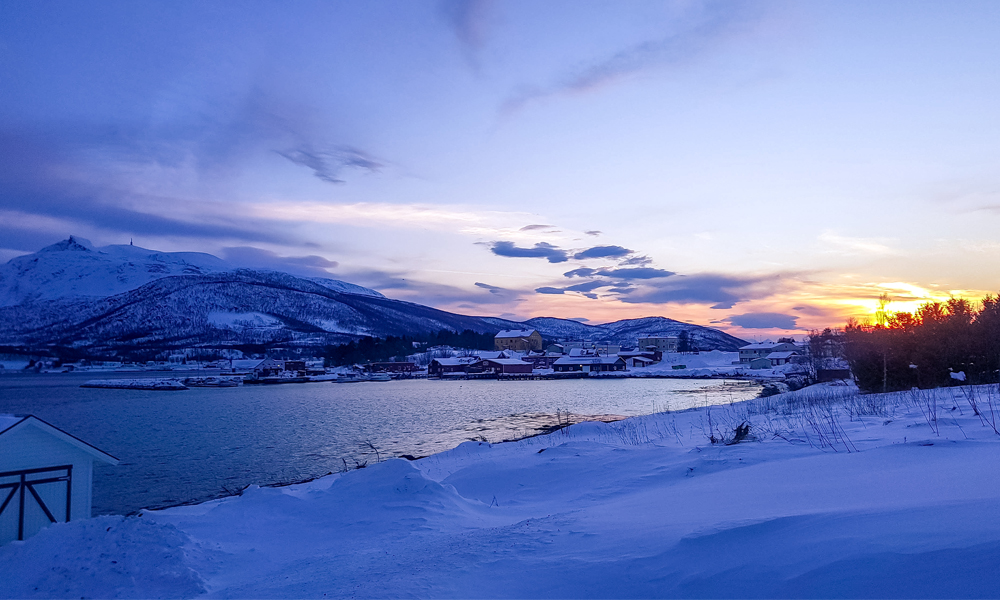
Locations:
column 506, row 366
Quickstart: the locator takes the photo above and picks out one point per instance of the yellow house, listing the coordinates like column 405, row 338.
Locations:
column 518, row 339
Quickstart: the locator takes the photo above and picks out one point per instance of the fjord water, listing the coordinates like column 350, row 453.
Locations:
column 198, row 444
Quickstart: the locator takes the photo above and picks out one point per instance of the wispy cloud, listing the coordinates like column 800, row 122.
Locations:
column 721, row 291
column 328, row 165
column 636, row 261
column 384, row 214
column 258, row 258
column 705, row 27
column 156, row 178
column 408, row 285
column 812, row 311
column 852, row 246
column 469, row 20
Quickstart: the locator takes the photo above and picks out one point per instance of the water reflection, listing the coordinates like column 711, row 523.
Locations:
column 202, row 443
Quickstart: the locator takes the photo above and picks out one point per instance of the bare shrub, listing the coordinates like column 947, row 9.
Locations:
column 927, row 402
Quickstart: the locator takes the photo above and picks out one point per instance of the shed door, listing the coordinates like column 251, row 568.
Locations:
column 32, row 499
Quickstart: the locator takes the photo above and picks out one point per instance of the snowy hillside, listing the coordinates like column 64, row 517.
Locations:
column 828, row 494
column 566, row 329
column 704, row 338
column 224, row 309
column 75, row 269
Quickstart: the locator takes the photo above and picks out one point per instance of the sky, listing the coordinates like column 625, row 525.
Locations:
column 763, row 167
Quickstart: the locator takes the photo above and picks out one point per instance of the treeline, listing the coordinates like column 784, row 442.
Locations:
column 369, row 349
column 924, row 348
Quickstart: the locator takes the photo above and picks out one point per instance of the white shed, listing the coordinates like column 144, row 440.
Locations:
column 46, row 476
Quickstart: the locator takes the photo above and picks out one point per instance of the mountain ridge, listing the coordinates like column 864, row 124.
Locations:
column 179, row 300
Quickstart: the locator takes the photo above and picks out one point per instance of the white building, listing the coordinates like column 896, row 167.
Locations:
column 46, row 476
column 669, row 343
column 762, row 349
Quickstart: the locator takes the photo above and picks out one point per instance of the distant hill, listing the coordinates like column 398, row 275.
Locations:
column 118, row 298
column 628, row 331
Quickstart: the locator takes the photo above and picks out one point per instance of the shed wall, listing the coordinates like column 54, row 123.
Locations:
column 29, row 448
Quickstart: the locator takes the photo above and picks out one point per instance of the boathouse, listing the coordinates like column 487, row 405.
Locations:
column 46, row 476
column 506, row 366
column 452, row 367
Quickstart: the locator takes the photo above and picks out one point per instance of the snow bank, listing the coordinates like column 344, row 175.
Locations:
column 136, row 384
column 715, row 363
column 832, row 494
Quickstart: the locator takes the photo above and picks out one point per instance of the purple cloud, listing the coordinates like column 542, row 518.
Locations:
column 763, row 320
column 541, row 250
column 603, row 252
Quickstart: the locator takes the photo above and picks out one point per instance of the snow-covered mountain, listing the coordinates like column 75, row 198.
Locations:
column 117, row 298
column 74, row 268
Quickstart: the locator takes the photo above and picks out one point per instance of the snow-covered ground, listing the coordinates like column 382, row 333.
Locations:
column 715, row 363
column 831, row 494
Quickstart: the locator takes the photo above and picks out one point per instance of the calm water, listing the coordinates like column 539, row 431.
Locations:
column 194, row 445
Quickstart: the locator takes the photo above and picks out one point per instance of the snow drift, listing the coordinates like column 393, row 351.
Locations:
column 831, row 494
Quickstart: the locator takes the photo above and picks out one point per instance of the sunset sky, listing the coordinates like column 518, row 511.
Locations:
column 763, row 167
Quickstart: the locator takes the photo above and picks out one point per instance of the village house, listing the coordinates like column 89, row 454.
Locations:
column 638, row 362
column 46, row 476
column 589, row 364
column 505, row 366
column 781, row 358
column 518, row 339
column 654, row 356
column 259, row 367
column 591, row 347
column 762, row 349
column 542, row 360
column 452, row 367
column 295, row 366
column 484, row 354
column 669, row 343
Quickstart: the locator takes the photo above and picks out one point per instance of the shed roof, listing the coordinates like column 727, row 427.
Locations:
column 11, row 423
column 506, row 361
column 457, row 361
column 759, row 346
column 787, row 354
column 248, row 363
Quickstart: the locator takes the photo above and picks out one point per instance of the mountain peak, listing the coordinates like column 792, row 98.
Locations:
column 73, row 244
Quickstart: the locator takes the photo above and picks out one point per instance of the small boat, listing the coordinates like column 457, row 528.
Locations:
column 349, row 378
column 379, row 377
